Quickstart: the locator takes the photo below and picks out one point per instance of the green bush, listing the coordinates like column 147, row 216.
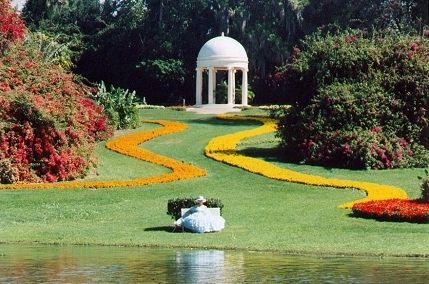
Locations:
column 425, row 186
column 174, row 206
column 222, row 93
column 359, row 101
column 51, row 48
column 119, row 105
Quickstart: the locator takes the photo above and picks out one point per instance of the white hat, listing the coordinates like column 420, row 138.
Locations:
column 200, row 199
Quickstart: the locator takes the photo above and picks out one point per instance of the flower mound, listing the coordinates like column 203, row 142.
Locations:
column 399, row 210
column 48, row 126
column 223, row 149
column 129, row 145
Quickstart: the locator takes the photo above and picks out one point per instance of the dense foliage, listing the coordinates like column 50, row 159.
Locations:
column 360, row 101
column 151, row 46
column 425, row 186
column 47, row 124
column 174, row 206
column 119, row 105
column 399, row 15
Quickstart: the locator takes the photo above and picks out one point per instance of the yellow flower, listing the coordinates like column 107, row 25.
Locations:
column 128, row 145
column 223, row 149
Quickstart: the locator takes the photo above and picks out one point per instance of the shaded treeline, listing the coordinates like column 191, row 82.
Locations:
column 151, row 45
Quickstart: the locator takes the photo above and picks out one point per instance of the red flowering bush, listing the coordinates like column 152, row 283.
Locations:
column 48, row 126
column 11, row 25
column 359, row 101
column 399, row 210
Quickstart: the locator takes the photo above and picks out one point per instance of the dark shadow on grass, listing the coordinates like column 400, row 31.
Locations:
column 169, row 229
column 275, row 154
column 387, row 219
column 160, row 229
column 222, row 122
column 270, row 154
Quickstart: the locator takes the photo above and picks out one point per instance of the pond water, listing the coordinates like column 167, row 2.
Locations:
column 81, row 264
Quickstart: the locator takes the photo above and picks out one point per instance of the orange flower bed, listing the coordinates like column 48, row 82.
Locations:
column 398, row 210
column 128, row 145
column 223, row 149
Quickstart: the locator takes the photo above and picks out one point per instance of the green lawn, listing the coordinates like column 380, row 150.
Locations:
column 261, row 214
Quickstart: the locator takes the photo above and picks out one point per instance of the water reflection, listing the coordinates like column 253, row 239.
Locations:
column 53, row 264
column 207, row 266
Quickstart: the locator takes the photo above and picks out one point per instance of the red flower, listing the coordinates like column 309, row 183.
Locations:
column 351, row 38
column 376, row 129
column 402, row 210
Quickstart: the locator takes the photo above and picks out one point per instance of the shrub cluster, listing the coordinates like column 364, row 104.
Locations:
column 359, row 101
column 48, row 126
column 119, row 105
column 174, row 206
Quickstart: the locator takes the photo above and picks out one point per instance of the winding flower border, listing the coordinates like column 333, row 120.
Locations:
column 223, row 149
column 128, row 145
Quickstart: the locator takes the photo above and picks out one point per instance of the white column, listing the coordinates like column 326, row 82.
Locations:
column 210, row 94
column 244, row 93
column 199, row 87
column 233, row 87
column 214, row 86
column 230, row 85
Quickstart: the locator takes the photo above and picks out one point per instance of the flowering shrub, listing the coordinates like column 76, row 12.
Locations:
column 129, row 145
column 401, row 210
column 12, row 27
column 359, row 101
column 48, row 125
column 223, row 149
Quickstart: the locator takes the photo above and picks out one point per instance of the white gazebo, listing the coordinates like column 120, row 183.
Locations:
column 221, row 53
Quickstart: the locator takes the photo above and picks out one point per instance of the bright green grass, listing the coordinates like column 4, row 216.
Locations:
column 261, row 214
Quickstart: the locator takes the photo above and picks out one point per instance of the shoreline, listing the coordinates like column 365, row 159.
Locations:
column 261, row 251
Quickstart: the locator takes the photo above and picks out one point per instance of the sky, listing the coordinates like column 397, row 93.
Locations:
column 18, row 3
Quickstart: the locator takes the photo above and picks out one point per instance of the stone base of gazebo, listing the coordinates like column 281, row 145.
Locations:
column 215, row 108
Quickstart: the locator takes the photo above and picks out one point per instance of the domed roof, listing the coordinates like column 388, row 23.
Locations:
column 222, row 48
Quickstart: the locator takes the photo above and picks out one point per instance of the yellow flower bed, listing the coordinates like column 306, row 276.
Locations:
column 223, row 149
column 128, row 145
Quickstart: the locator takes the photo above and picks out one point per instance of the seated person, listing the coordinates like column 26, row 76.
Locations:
column 199, row 219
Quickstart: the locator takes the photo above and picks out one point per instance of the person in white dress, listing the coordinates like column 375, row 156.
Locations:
column 199, row 219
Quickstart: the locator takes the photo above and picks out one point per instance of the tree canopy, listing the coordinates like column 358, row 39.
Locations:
column 151, row 45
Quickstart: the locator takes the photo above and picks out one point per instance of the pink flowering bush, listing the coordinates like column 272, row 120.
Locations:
column 359, row 101
column 12, row 28
column 48, row 126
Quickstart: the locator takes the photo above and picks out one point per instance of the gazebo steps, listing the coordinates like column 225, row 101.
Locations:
column 215, row 108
